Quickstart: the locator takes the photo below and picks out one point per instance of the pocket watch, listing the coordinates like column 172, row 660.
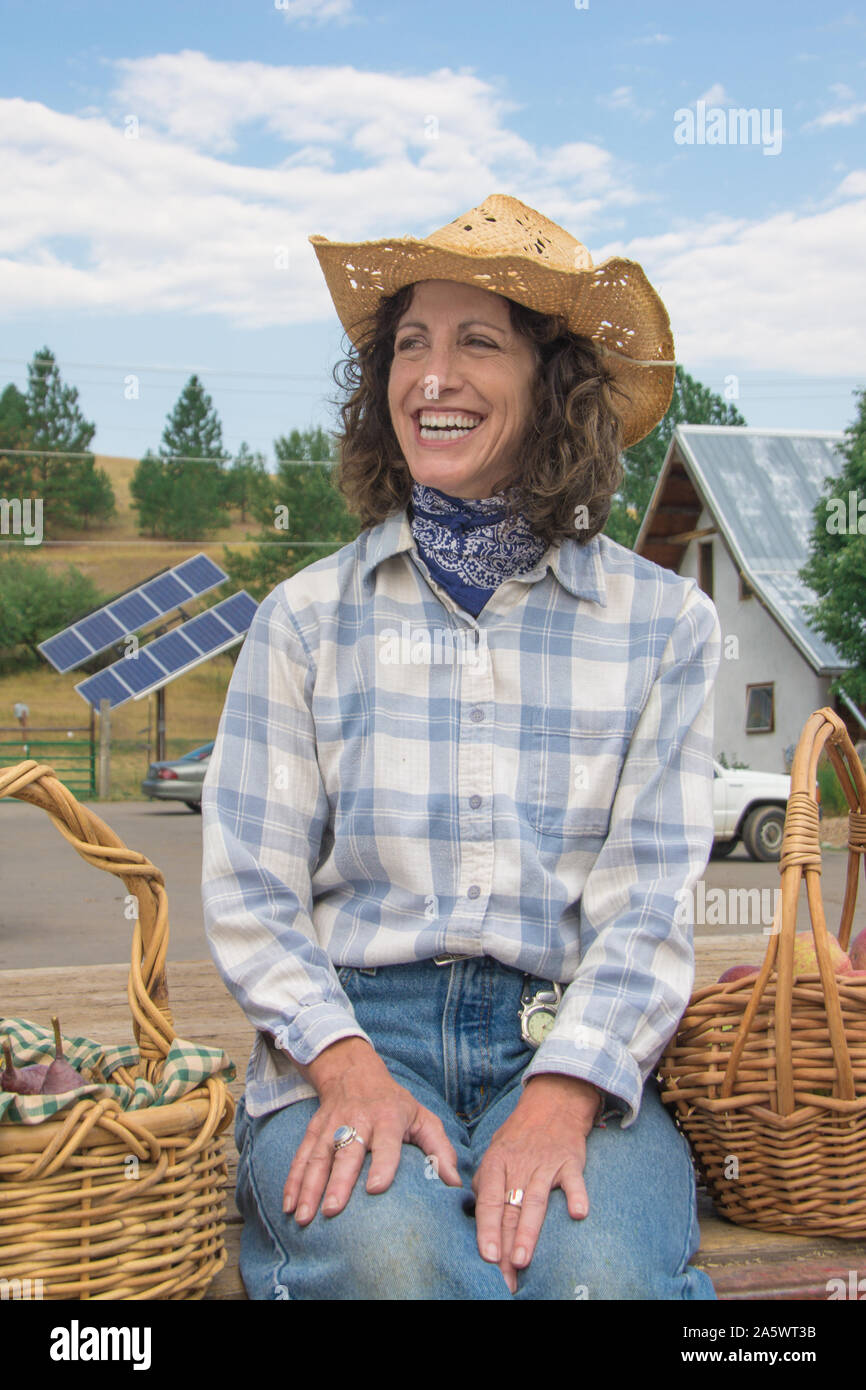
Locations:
column 537, row 1011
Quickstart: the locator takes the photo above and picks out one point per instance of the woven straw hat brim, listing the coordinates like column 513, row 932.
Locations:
column 613, row 303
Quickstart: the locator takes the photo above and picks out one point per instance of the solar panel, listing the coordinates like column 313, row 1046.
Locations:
column 132, row 611
column 173, row 654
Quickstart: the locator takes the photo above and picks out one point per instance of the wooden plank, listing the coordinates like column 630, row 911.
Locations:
column 744, row 1264
column 714, row 954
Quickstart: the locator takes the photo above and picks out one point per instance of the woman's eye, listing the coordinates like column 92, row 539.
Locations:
column 410, row 342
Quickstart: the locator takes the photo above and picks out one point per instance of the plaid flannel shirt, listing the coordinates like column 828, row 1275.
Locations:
column 394, row 779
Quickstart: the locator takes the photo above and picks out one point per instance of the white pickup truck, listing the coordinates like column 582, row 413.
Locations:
column 749, row 806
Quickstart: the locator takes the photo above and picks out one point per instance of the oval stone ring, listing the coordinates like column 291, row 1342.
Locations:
column 345, row 1135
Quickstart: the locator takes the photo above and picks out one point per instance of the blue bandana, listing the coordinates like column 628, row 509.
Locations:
column 469, row 545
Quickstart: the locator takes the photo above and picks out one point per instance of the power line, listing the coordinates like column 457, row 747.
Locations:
column 37, row 362
column 176, row 545
column 156, row 458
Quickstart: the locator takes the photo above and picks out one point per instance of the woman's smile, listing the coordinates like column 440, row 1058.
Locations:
column 450, row 427
column 460, row 384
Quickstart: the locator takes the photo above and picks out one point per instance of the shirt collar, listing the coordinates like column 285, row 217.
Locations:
column 577, row 567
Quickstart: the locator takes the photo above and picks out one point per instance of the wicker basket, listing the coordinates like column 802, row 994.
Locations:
column 767, row 1076
column 69, row 1216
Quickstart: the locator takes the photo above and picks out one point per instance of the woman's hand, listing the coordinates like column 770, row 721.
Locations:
column 542, row 1145
column 355, row 1088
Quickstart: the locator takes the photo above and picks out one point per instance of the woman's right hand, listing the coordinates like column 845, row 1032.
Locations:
column 355, row 1088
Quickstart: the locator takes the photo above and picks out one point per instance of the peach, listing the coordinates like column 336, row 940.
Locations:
column 806, row 957
column 737, row 972
column 857, row 952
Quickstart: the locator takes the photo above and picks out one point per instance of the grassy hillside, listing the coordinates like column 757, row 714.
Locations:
column 116, row 558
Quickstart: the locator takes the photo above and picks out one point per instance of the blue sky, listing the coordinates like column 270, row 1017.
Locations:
column 156, row 156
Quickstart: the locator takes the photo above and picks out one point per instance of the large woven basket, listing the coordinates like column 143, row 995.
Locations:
column 69, row 1215
column 767, row 1075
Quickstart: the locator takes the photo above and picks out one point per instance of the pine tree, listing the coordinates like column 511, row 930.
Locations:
column 150, row 490
column 15, row 467
column 836, row 568
column 182, row 493
column 307, row 506
column 691, row 404
column 248, row 485
column 59, row 436
column 91, row 495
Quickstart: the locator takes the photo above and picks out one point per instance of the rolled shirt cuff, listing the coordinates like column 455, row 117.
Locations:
column 612, row 1071
column 323, row 1024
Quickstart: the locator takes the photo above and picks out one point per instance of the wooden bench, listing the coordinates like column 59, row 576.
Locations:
column 742, row 1263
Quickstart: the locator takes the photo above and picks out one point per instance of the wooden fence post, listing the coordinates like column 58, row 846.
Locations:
column 104, row 749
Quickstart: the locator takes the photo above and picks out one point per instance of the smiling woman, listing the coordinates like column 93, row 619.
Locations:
column 545, row 399
column 446, row 893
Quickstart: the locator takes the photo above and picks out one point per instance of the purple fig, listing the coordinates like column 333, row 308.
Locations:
column 24, row 1081
column 60, row 1075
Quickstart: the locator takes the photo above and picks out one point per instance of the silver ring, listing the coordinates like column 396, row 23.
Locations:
column 346, row 1135
column 515, row 1197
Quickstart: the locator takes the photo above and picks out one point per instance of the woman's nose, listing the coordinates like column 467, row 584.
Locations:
column 442, row 365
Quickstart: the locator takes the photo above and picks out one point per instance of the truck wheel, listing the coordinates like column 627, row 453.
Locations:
column 722, row 848
column 762, row 833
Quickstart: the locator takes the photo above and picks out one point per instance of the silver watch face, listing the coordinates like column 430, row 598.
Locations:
column 539, row 1024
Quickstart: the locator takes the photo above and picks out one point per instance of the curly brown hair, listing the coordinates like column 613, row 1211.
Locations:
column 571, row 446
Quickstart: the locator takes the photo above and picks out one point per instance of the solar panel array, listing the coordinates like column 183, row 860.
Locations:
column 173, row 654
column 127, row 614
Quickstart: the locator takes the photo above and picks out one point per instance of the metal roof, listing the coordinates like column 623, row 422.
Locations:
column 761, row 488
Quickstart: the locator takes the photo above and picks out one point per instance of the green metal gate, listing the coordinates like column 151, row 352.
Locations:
column 73, row 759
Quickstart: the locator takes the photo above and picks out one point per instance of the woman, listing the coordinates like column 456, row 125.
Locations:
column 462, row 775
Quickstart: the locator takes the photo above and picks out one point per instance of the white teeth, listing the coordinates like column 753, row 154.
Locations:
column 443, row 434
column 432, row 420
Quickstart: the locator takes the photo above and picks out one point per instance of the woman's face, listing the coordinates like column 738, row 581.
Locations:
column 455, row 353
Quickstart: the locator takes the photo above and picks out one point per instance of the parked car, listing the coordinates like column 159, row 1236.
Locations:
column 749, row 807
column 179, row 779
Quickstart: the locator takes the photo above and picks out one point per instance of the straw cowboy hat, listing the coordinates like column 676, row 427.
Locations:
column 509, row 248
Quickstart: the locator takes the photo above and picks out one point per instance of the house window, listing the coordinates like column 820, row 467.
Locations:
column 760, row 709
column 705, row 567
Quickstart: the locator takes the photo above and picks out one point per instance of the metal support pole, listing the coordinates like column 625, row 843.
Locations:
column 160, row 725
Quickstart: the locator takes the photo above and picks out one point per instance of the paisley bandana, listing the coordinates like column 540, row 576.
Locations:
column 468, row 543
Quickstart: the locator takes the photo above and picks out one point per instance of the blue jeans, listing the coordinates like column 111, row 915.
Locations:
column 450, row 1034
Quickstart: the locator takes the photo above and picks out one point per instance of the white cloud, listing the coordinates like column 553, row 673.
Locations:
column 652, row 38
column 853, row 185
column 786, row 292
column 169, row 222
column 623, row 99
column 839, row 115
column 174, row 222
column 715, row 95
column 314, row 11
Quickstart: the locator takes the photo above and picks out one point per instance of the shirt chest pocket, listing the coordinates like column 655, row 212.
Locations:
column 575, row 762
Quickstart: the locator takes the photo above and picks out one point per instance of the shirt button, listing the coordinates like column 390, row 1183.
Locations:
column 473, row 891
column 477, row 715
column 474, row 801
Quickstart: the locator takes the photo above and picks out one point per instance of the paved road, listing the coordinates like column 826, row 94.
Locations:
column 57, row 910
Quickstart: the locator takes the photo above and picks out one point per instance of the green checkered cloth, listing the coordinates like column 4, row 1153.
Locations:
column 185, row 1067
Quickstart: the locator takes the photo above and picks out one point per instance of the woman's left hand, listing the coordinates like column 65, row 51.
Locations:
column 542, row 1145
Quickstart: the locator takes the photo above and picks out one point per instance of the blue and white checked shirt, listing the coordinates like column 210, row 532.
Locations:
column 394, row 779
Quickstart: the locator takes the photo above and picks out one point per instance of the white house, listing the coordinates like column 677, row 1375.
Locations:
column 733, row 508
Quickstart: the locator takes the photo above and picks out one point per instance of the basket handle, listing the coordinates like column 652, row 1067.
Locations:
column 99, row 846
column 801, row 854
